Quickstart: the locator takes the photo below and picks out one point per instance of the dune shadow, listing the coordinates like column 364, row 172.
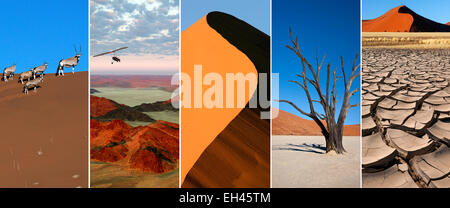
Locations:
column 313, row 148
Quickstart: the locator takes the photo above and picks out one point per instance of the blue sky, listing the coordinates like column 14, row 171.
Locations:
column 254, row 12
column 332, row 27
column 436, row 10
column 37, row 31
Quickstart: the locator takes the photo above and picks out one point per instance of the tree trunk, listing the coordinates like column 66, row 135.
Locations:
column 334, row 141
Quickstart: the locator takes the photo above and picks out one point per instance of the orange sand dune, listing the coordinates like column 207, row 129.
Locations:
column 289, row 124
column 203, row 45
column 402, row 19
column 240, row 153
column 45, row 134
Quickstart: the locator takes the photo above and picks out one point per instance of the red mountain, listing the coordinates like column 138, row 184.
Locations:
column 100, row 106
column 152, row 148
column 402, row 19
column 289, row 124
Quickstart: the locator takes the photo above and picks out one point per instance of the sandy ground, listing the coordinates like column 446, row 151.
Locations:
column 44, row 140
column 301, row 162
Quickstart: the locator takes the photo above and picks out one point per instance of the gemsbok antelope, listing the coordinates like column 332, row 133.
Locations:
column 26, row 75
column 39, row 70
column 32, row 84
column 8, row 72
column 70, row 62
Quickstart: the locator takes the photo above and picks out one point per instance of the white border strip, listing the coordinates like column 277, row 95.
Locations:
column 89, row 94
column 179, row 95
column 360, row 95
column 271, row 93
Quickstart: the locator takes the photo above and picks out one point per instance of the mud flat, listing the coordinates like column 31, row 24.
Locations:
column 406, row 118
column 301, row 162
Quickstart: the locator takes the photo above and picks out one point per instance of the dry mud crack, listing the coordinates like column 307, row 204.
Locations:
column 406, row 118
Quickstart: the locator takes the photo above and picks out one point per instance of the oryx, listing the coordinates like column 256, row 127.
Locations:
column 70, row 62
column 26, row 75
column 32, row 84
column 8, row 72
column 39, row 70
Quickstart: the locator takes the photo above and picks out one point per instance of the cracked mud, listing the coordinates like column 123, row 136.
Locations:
column 405, row 118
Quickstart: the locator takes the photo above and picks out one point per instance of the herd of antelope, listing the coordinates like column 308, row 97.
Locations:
column 30, row 76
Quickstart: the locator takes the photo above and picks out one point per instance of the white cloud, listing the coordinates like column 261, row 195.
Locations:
column 145, row 26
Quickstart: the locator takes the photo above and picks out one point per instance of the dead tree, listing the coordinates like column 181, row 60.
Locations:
column 333, row 130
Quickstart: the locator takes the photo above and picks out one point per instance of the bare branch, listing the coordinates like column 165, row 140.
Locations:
column 354, row 91
column 297, row 108
column 343, row 72
column 328, row 84
column 298, row 83
column 354, row 105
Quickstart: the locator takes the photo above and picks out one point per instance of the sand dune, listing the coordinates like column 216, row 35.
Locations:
column 45, row 134
column 402, row 19
column 232, row 142
column 289, row 124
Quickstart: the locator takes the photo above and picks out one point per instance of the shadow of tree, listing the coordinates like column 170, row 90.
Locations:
column 313, row 148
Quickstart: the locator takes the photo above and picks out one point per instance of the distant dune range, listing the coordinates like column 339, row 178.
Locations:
column 289, row 124
column 133, row 81
column 225, row 147
column 403, row 19
column 45, row 134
